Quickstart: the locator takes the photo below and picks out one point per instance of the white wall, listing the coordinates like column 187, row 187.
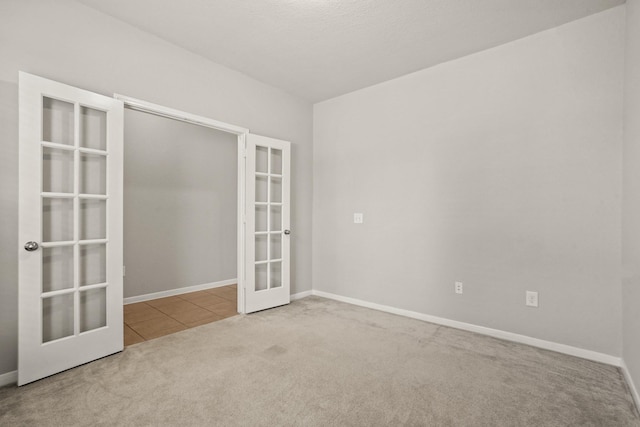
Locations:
column 501, row 170
column 180, row 204
column 68, row 42
column 631, row 197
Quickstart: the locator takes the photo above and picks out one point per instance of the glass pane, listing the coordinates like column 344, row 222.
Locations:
column 93, row 128
column 57, row 170
column 57, row 268
column 262, row 159
column 276, row 218
column 276, row 190
column 57, row 219
column 93, row 264
column 93, row 174
column 276, row 161
column 261, row 247
column 57, row 317
column 261, row 189
column 275, row 276
column 93, row 309
column 276, row 246
column 93, row 219
column 261, row 218
column 57, row 121
column 261, row 277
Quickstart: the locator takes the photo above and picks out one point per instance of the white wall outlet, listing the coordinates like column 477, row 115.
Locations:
column 532, row 299
column 458, row 287
column 358, row 218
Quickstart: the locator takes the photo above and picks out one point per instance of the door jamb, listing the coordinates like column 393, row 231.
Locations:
column 241, row 133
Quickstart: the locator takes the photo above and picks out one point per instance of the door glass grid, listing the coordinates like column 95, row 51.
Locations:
column 268, row 218
column 57, row 121
column 57, row 170
column 74, row 219
column 57, row 268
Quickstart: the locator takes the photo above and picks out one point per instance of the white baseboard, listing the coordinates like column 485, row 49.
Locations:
column 631, row 384
column 179, row 291
column 8, row 378
column 301, row 295
column 496, row 333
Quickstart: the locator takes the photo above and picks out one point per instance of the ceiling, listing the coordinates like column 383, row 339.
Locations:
column 319, row 49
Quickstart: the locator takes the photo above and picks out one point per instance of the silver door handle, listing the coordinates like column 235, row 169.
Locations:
column 287, row 232
column 31, row 246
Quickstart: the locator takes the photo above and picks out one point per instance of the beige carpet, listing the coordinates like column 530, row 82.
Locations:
column 319, row 362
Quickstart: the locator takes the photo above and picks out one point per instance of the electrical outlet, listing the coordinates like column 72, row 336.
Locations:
column 532, row 299
column 358, row 218
column 458, row 287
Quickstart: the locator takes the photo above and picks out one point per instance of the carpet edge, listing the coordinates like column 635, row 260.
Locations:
column 495, row 333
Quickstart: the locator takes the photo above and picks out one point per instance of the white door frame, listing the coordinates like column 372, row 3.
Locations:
column 159, row 110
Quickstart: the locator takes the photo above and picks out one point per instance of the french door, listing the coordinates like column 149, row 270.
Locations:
column 267, row 223
column 70, row 227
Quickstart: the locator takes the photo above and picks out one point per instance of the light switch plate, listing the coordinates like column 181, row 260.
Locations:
column 358, row 218
column 532, row 299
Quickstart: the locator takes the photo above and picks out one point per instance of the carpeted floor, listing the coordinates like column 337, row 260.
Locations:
column 319, row 362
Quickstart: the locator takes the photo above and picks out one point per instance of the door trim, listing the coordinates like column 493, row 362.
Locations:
column 241, row 133
column 171, row 113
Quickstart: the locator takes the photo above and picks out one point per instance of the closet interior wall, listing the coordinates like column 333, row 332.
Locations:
column 180, row 204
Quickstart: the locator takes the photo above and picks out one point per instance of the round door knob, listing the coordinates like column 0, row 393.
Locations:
column 287, row 232
column 31, row 246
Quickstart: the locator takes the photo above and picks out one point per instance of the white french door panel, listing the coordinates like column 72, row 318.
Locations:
column 70, row 227
column 267, row 223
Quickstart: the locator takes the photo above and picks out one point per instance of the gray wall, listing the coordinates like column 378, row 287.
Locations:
column 631, row 197
column 501, row 170
column 68, row 42
column 180, row 204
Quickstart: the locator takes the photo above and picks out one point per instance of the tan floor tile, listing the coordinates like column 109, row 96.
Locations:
column 224, row 310
column 138, row 306
column 163, row 301
column 142, row 314
column 226, row 293
column 131, row 337
column 230, row 297
column 150, row 328
column 194, row 295
column 221, row 305
column 180, row 306
column 220, row 289
column 195, row 316
column 208, row 299
column 227, row 314
column 152, row 319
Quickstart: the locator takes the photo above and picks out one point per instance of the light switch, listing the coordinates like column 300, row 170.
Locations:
column 358, row 218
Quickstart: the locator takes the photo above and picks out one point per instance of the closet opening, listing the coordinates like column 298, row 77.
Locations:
column 181, row 222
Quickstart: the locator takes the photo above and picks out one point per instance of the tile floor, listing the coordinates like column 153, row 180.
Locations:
column 152, row 319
